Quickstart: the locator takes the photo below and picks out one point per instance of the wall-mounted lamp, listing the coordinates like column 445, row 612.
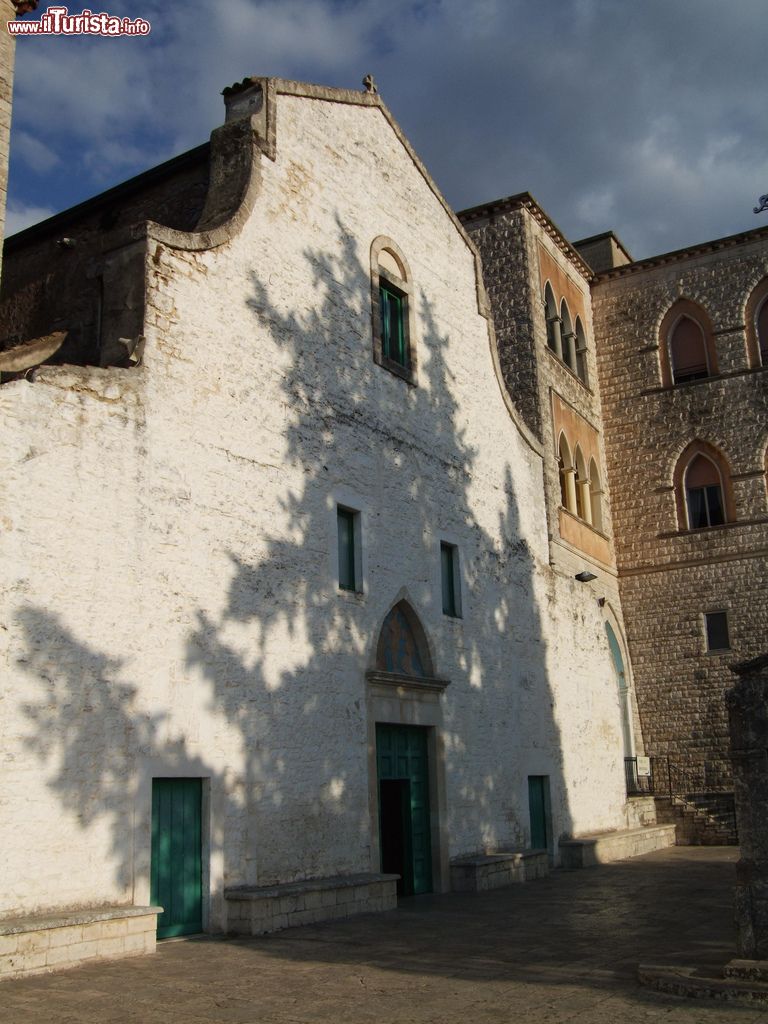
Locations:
column 585, row 576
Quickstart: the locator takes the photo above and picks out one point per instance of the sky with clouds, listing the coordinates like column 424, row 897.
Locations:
column 644, row 116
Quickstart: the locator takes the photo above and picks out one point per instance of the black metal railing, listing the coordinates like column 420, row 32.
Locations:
column 704, row 786
column 639, row 781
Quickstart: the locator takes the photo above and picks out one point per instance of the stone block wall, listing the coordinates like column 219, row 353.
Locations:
column 36, row 945
column 507, row 273
column 671, row 576
column 79, row 287
column 519, row 249
column 260, row 910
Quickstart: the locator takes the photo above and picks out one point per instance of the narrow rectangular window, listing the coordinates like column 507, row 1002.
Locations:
column 717, row 631
column 449, row 571
column 392, row 330
column 345, row 520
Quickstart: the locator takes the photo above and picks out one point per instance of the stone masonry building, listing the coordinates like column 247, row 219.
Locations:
column 685, row 405
column 351, row 544
column 676, row 393
column 292, row 607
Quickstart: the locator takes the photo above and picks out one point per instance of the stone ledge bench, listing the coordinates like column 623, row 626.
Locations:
column 605, row 847
column 46, row 942
column 257, row 910
column 495, row 870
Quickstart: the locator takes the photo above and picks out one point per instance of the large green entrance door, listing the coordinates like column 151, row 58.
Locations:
column 404, row 822
column 177, row 875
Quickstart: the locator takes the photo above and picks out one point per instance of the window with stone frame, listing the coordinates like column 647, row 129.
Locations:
column 567, row 473
column 450, row 579
column 688, row 351
column 392, row 314
column 704, row 494
column 554, row 338
column 756, row 325
column 716, row 629
column 565, row 338
column 761, row 330
column 349, row 545
column 581, row 351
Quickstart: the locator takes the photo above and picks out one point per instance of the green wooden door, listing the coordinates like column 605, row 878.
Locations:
column 401, row 755
column 177, row 870
column 538, row 807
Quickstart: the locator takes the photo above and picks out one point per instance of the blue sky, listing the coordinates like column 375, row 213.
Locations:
column 645, row 116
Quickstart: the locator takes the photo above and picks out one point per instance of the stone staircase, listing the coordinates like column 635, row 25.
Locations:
column 701, row 819
column 741, row 982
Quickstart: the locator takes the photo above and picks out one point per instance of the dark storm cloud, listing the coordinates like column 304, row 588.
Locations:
column 646, row 116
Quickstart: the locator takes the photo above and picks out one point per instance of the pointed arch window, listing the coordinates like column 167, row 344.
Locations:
column 583, row 505
column 554, row 325
column 756, row 324
column 688, row 351
column 569, row 337
column 581, row 351
column 595, row 495
column 704, row 494
column 402, row 646
column 567, row 476
column 686, row 345
column 761, row 329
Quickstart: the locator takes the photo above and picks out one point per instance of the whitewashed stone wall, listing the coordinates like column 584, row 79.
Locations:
column 169, row 539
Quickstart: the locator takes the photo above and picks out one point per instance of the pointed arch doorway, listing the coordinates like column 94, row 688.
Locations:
column 406, row 760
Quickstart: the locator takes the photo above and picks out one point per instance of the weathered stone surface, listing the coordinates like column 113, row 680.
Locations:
column 670, row 576
column 604, row 848
column 258, row 910
column 748, row 720
column 41, row 943
column 170, row 555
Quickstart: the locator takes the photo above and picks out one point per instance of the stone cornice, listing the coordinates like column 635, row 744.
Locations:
column 525, row 201
column 678, row 255
column 398, row 681
column 691, row 563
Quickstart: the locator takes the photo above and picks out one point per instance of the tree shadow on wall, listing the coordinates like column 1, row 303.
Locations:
column 282, row 664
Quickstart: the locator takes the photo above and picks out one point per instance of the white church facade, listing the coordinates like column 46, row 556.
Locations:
column 289, row 609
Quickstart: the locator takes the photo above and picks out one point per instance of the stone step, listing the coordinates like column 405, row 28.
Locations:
column 482, row 872
column 752, row 970
column 605, row 847
column 698, row 983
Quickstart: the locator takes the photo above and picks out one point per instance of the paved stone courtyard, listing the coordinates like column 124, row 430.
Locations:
column 564, row 948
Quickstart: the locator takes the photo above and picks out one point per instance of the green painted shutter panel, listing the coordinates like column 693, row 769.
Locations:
column 402, row 753
column 176, row 869
column 385, row 323
column 392, row 326
column 447, row 572
column 397, row 325
column 345, row 520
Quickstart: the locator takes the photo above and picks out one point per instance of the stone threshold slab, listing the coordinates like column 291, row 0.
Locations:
column 71, row 918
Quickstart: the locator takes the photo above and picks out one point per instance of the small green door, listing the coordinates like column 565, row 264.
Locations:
column 538, row 807
column 404, row 818
column 177, row 871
